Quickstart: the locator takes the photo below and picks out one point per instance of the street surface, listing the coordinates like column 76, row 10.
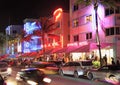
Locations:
column 59, row 80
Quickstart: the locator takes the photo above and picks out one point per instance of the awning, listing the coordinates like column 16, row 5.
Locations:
column 102, row 45
column 92, row 46
column 85, row 48
column 66, row 49
column 48, row 51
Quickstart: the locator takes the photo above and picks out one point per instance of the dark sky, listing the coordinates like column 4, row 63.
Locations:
column 13, row 12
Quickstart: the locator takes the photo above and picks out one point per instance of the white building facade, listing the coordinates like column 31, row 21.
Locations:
column 83, row 30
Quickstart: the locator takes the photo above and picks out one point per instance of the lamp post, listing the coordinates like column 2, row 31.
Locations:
column 97, row 33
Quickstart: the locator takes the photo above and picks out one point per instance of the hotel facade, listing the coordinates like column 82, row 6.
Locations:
column 83, row 31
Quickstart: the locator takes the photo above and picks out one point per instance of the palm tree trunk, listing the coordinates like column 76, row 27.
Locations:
column 43, row 40
column 97, row 33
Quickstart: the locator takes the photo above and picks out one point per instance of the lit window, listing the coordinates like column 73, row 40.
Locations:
column 89, row 18
column 75, row 23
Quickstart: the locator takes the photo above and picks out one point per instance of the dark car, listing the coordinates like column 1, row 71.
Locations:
column 109, row 73
column 58, row 63
column 5, row 69
column 2, row 81
column 46, row 67
column 32, row 76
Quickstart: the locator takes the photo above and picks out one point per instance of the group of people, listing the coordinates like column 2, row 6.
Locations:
column 112, row 61
column 104, row 61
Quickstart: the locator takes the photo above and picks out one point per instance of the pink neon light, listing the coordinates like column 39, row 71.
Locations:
column 57, row 13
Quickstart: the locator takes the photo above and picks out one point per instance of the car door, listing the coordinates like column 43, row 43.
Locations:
column 65, row 68
column 72, row 68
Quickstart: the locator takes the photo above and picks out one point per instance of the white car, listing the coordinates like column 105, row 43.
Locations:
column 5, row 70
column 76, row 68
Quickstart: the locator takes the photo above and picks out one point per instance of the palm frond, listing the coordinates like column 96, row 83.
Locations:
column 109, row 3
column 86, row 2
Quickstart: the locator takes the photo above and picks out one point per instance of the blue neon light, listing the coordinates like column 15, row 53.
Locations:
column 29, row 27
column 35, row 41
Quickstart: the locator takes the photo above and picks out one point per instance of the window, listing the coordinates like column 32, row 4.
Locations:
column 112, row 31
column 75, row 7
column 117, row 10
column 76, row 64
column 14, row 31
column 107, row 32
column 117, row 30
column 68, row 37
column 75, row 22
column 89, row 18
column 106, row 12
column 76, row 38
column 89, row 35
column 109, row 11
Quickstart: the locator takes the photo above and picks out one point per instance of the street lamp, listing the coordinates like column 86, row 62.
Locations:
column 97, row 33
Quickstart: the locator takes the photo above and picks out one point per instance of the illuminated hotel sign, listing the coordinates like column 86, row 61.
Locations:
column 29, row 27
column 78, row 44
column 34, row 43
column 57, row 14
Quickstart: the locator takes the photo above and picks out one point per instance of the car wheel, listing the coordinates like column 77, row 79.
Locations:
column 76, row 74
column 90, row 76
column 61, row 72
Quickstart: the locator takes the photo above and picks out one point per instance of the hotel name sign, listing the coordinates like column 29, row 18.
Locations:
column 78, row 43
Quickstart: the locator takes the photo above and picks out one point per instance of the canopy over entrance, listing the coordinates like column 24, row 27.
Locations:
column 84, row 48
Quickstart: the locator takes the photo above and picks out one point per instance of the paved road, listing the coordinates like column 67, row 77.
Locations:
column 59, row 80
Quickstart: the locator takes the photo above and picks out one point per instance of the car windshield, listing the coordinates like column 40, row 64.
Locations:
column 33, row 73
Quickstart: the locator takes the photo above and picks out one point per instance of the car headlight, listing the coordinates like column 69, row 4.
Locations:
column 32, row 82
column 9, row 70
column 47, row 80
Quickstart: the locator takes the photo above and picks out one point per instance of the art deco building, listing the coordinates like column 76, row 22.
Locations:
column 83, row 30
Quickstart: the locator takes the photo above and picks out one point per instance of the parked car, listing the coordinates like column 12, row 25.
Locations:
column 58, row 63
column 76, row 68
column 46, row 67
column 2, row 81
column 32, row 76
column 5, row 70
column 108, row 73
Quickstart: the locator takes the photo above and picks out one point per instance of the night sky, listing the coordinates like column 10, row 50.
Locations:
column 13, row 12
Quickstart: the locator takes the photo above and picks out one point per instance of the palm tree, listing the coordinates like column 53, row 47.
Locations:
column 46, row 27
column 2, row 41
column 95, row 3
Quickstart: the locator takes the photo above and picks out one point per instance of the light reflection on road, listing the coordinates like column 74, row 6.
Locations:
column 11, row 81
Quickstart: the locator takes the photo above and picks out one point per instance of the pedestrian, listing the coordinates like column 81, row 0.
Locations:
column 113, row 62
column 117, row 63
column 105, row 59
